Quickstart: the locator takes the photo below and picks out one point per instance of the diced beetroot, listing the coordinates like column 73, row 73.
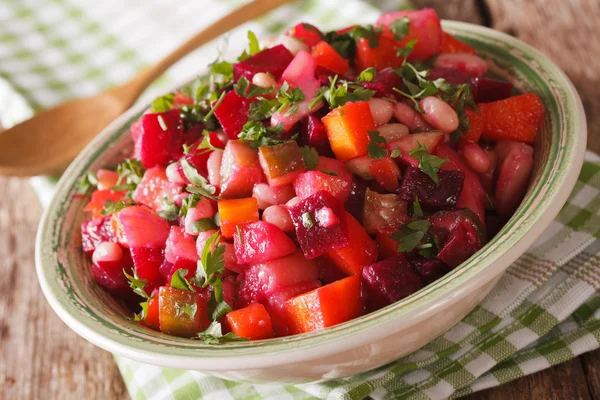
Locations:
column 450, row 75
column 142, row 227
column 180, row 249
column 166, row 270
column 472, row 195
column 154, row 187
column 230, row 288
column 260, row 242
column 307, row 33
column 441, row 196
column 232, row 113
column 267, row 196
column 460, row 234
column 311, row 182
column 428, row 270
column 383, row 83
column 514, row 169
column 424, row 27
column 240, row 170
column 274, row 304
column 262, row 280
column 108, row 262
column 204, row 209
column 315, row 239
column 328, row 271
column 388, row 281
column 383, row 212
column 272, row 60
column 486, row 89
column 468, row 63
column 161, row 139
column 314, row 134
column 355, row 202
column 96, row 231
column 147, row 262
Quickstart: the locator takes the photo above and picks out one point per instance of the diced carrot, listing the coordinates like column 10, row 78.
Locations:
column 515, row 118
column 476, row 124
column 326, row 306
column 181, row 312
column 152, row 316
column 237, row 212
column 386, row 173
column 450, row 44
column 99, row 199
column 381, row 56
column 387, row 246
column 361, row 249
column 281, row 163
column 347, row 129
column 252, row 322
column 327, row 57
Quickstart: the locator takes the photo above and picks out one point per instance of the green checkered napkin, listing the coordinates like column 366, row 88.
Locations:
column 545, row 309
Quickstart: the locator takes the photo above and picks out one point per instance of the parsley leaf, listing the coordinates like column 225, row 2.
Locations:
column 111, row 207
column 288, row 98
column 188, row 202
column 343, row 44
column 367, row 75
column 137, row 284
column 189, row 310
column 220, row 310
column 211, row 261
column 406, row 50
column 410, row 235
column 253, row 47
column 307, row 220
column 87, row 182
column 259, row 135
column 430, row 246
column 428, row 163
column 368, row 32
column 163, row 103
column 214, row 335
column 199, row 184
column 373, row 147
column 168, row 210
column 400, row 28
column 310, row 156
column 417, row 211
column 130, row 174
column 262, row 108
column 224, row 68
column 178, row 280
column 203, row 225
column 246, row 89
column 338, row 95
column 396, row 152
column 459, row 97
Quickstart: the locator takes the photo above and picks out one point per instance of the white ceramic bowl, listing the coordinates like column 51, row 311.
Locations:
column 353, row 347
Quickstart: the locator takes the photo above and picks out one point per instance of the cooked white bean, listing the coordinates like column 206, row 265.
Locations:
column 213, row 165
column 475, row 157
column 360, row 166
column 293, row 201
column 381, row 110
column 468, row 63
column 267, row 195
column 279, row 216
column 263, row 80
column 173, row 174
column 393, row 131
column 107, row 252
column 439, row 114
column 294, row 45
column 409, row 117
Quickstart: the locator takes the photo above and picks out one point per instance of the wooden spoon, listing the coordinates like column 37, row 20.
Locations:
column 49, row 141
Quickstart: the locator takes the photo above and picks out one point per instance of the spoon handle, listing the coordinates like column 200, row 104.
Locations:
column 247, row 12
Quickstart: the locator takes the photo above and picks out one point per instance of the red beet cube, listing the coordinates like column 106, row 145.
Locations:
column 486, row 89
column 240, row 170
column 383, row 212
column 383, row 83
column 450, row 75
column 356, row 200
column 273, row 61
column 307, row 33
column 154, row 188
column 314, row 238
column 432, row 196
column 460, row 234
column 96, row 231
column 388, row 281
column 428, row 270
column 232, row 113
column 161, row 138
column 260, row 242
column 314, row 134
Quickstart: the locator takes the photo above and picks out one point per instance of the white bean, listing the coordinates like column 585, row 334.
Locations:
column 293, row 201
column 213, row 165
column 381, row 110
column 263, row 80
column 107, row 252
column 279, row 216
column 475, row 157
column 267, row 195
column 439, row 114
column 468, row 63
column 173, row 174
column 409, row 117
column 393, row 131
column 294, row 45
column 360, row 166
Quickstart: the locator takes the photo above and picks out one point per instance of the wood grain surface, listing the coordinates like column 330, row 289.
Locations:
column 40, row 358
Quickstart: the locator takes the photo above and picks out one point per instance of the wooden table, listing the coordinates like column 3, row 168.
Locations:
column 42, row 359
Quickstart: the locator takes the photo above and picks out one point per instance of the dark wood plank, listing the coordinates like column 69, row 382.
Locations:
column 459, row 10
column 41, row 357
column 591, row 368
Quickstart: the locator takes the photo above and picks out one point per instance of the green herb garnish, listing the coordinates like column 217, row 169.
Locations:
column 373, row 148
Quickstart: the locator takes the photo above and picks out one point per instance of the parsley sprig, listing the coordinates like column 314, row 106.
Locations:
column 130, row 174
column 87, row 182
column 415, row 235
column 339, row 93
column 374, row 148
column 198, row 183
column 428, row 163
column 257, row 134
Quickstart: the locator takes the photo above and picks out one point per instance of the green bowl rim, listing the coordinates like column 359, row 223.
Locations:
column 559, row 172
